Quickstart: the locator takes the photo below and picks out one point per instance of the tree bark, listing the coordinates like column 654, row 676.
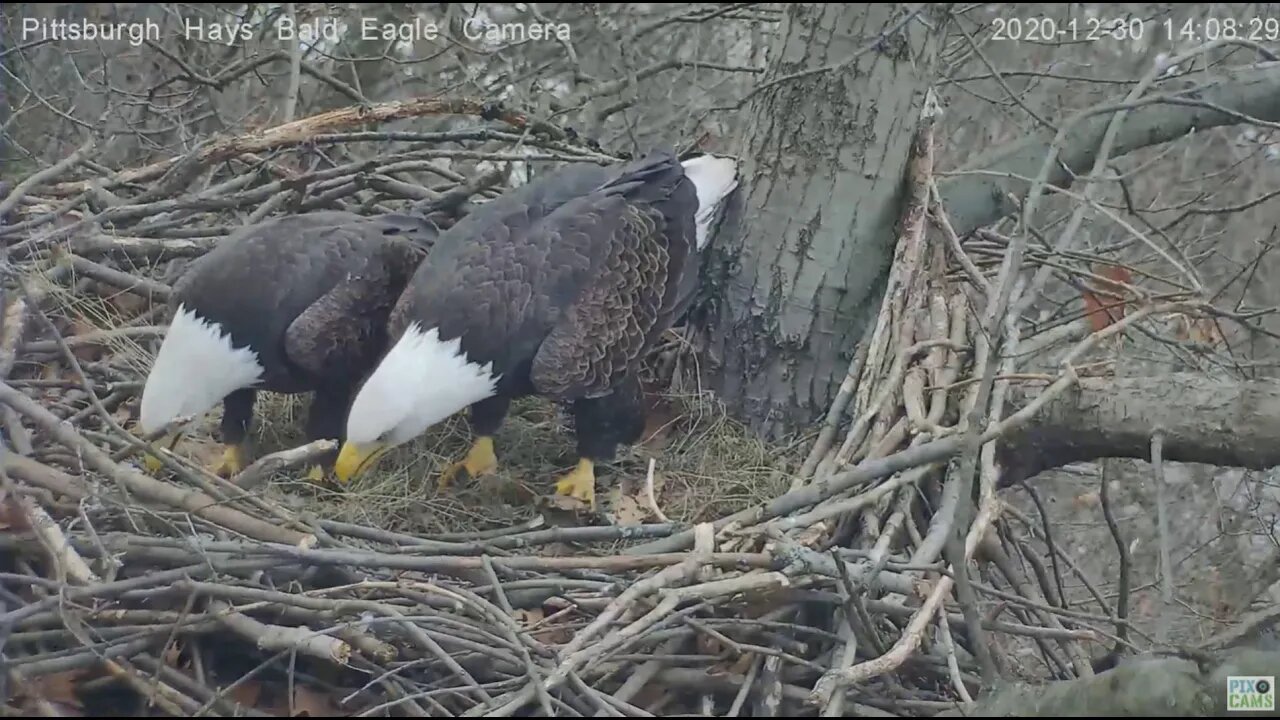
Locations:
column 1204, row 420
column 823, row 157
column 1148, row 686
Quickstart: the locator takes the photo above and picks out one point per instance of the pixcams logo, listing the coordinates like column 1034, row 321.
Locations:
column 1251, row 692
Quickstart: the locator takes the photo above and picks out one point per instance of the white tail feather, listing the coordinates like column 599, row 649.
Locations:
column 714, row 178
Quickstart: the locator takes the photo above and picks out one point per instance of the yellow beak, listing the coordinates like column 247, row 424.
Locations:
column 355, row 458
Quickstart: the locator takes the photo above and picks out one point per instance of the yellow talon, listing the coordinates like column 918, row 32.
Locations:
column 152, row 463
column 232, row 462
column 316, row 474
column 580, row 483
column 480, row 460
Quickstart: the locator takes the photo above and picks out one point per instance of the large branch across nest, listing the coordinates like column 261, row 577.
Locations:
column 300, row 131
column 1203, row 420
column 1218, row 422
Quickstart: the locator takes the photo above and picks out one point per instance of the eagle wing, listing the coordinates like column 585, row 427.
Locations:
column 343, row 332
column 570, row 279
column 500, row 277
column 604, row 332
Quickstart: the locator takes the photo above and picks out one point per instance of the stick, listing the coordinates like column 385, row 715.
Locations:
column 1162, row 520
column 276, row 638
column 299, row 131
column 36, row 179
column 148, row 488
column 262, row 468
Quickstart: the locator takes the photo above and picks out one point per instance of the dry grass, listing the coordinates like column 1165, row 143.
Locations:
column 707, row 465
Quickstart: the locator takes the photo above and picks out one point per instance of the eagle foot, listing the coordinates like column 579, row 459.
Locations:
column 316, row 474
column 231, row 462
column 579, row 483
column 153, row 463
column 480, row 461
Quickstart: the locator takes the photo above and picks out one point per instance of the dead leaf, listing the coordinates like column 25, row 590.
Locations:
column 127, row 303
column 1203, row 332
column 552, row 635
column 628, row 511
column 172, row 654
column 739, row 665
column 12, row 517
column 313, row 703
column 84, row 352
column 247, row 693
column 565, row 503
column 1086, row 500
column 123, row 415
column 58, row 689
column 708, row 645
column 1104, row 297
column 528, row 618
column 659, row 422
column 810, row 536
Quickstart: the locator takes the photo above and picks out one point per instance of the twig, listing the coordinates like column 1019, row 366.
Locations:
column 650, row 500
column 577, row 652
column 299, row 131
column 295, row 69
column 39, row 178
column 275, row 638
column 71, row 567
column 834, row 681
column 953, row 665
column 1122, row 548
column 148, row 488
column 267, row 465
column 1162, row 520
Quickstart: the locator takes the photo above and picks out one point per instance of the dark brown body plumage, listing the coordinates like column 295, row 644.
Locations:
column 311, row 294
column 563, row 286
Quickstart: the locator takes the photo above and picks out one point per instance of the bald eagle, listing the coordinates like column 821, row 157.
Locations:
column 294, row 304
column 555, row 290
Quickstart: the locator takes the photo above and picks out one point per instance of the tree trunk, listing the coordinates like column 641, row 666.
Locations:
column 824, row 156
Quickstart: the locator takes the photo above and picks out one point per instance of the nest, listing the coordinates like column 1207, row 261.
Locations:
column 723, row 576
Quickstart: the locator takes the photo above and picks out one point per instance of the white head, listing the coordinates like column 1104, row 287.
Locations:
column 421, row 381
column 197, row 367
column 713, row 178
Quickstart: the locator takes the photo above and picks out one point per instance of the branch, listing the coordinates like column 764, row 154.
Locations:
column 300, row 131
column 148, row 488
column 1225, row 423
column 1149, row 687
column 1217, row 422
column 973, row 201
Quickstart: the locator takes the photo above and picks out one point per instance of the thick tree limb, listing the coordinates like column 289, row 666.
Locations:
column 973, row 201
column 1146, row 687
column 1219, row 422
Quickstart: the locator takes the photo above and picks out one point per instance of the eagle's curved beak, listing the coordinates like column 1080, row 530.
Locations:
column 355, row 458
